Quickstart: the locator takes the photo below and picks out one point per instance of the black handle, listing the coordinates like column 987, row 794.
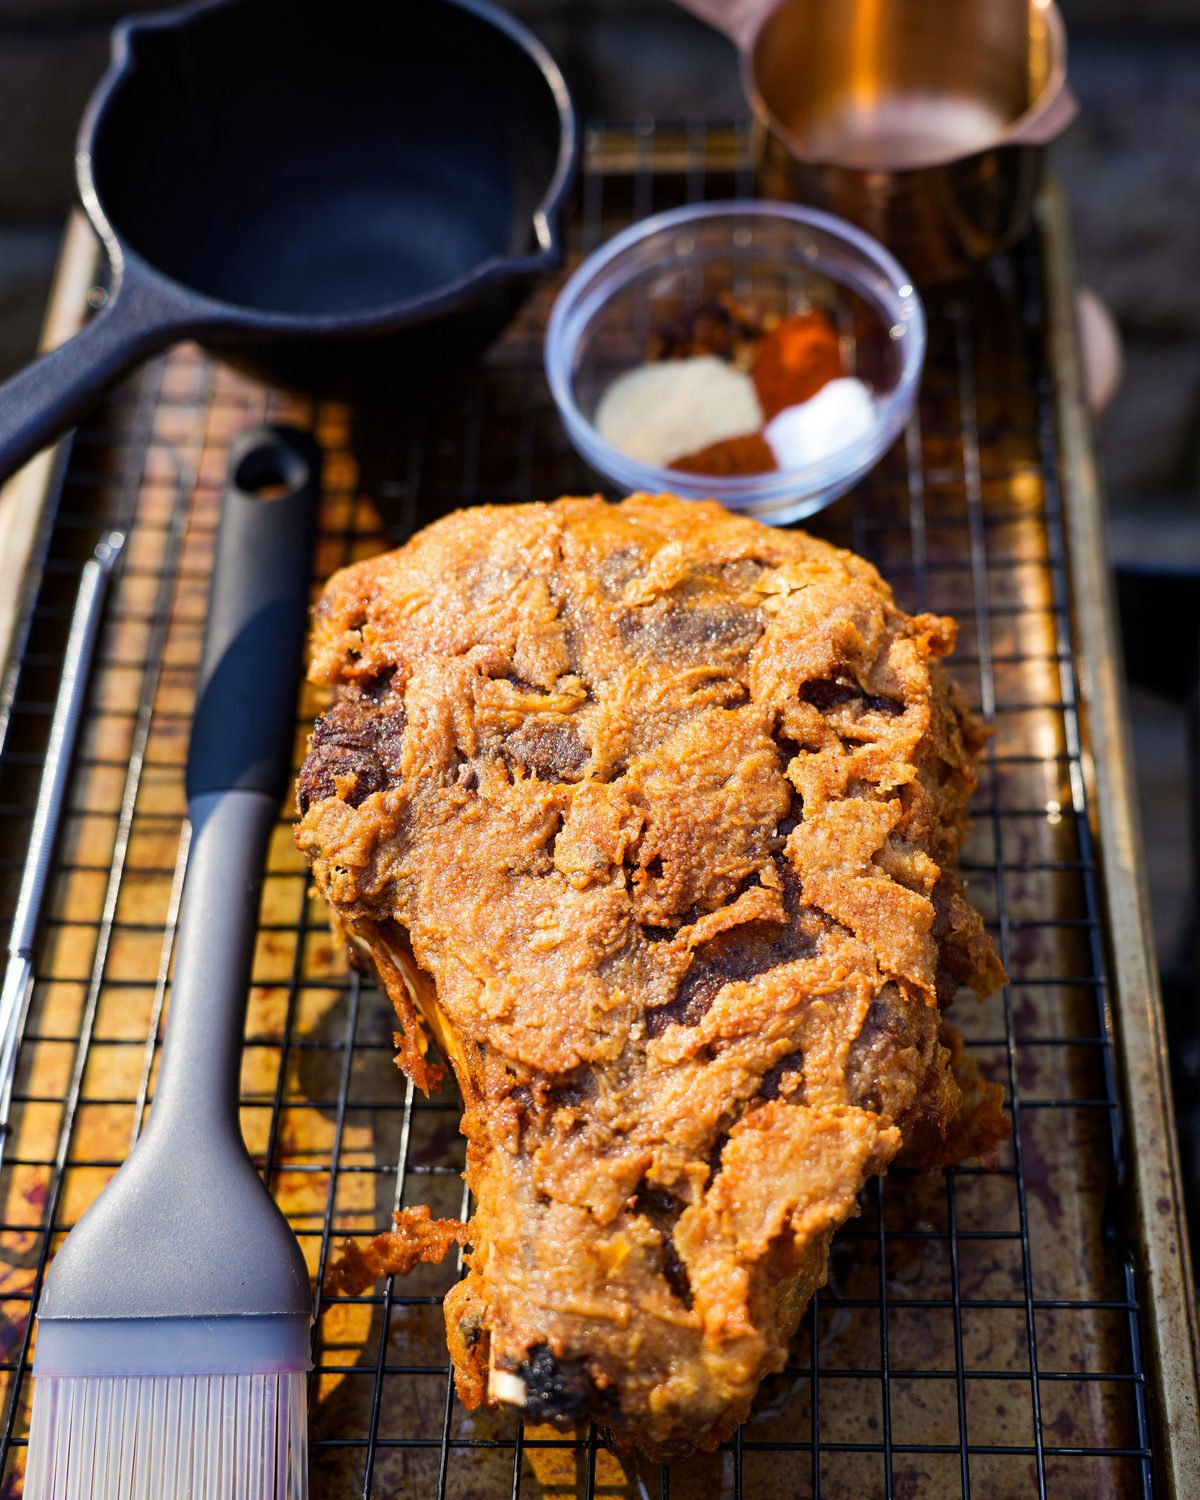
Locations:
column 242, row 731
column 41, row 401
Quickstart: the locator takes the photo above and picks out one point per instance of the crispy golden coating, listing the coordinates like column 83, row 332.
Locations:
column 649, row 816
column 415, row 1236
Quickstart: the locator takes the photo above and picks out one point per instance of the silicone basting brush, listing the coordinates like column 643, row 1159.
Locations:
column 173, row 1350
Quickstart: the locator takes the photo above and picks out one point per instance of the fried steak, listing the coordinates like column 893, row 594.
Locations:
column 648, row 817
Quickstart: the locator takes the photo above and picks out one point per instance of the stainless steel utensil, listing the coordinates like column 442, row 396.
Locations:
column 64, row 727
column 923, row 122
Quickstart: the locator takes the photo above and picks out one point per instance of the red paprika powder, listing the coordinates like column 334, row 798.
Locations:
column 795, row 359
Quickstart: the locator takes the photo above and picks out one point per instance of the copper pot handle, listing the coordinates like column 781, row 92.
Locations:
column 737, row 19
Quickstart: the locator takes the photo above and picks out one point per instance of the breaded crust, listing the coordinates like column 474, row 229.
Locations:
column 649, row 817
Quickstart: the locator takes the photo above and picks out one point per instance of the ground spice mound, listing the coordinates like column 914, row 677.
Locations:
column 788, row 359
column 748, row 454
column 649, row 817
column 794, row 360
column 710, row 325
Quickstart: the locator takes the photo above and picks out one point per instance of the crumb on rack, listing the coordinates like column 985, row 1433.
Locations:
column 416, row 1237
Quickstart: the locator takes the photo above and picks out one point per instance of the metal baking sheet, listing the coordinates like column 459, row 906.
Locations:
column 982, row 1334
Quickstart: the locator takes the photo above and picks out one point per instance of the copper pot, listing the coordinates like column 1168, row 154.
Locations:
column 923, row 121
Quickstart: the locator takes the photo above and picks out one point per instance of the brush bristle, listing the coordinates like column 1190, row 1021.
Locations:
column 206, row 1437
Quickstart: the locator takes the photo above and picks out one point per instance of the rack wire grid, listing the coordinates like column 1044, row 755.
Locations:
column 981, row 1331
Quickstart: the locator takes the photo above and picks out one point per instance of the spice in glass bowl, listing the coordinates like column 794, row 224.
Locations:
column 728, row 392
column 841, row 412
column 794, row 359
column 748, row 454
column 660, row 410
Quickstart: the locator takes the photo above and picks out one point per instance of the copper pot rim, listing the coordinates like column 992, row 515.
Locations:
column 1045, row 118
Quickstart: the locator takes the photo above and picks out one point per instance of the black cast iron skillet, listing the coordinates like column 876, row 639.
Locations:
column 328, row 193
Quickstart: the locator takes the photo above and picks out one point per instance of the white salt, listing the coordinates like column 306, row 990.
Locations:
column 841, row 413
column 661, row 412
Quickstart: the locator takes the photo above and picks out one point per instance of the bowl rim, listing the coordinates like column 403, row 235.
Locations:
column 571, row 312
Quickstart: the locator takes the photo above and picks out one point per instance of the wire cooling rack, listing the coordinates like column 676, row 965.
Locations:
column 981, row 1333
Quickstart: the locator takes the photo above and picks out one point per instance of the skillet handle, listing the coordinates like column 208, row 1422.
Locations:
column 41, row 401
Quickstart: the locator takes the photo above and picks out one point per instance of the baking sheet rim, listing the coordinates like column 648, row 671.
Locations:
column 1156, row 1182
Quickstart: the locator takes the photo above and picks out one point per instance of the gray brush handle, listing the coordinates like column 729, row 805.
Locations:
column 242, row 728
column 197, row 1089
column 186, row 1230
column 239, row 758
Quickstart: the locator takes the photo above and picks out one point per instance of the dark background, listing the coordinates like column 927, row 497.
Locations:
column 1131, row 169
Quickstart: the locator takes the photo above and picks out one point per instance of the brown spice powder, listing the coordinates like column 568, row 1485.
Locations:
column 748, row 454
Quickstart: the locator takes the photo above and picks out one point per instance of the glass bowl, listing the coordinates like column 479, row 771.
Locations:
column 774, row 257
